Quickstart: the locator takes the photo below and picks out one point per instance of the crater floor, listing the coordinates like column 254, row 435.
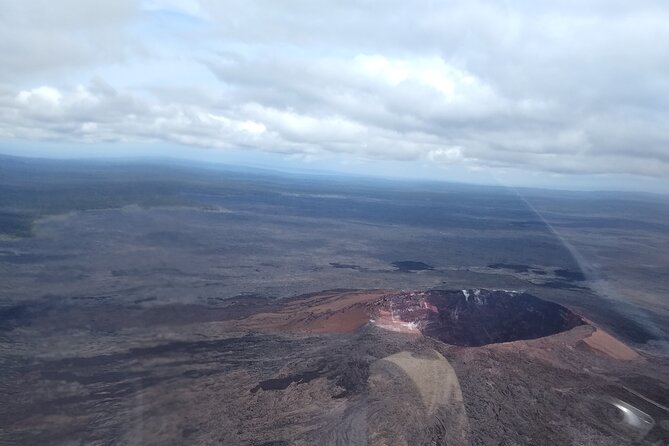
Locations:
column 474, row 317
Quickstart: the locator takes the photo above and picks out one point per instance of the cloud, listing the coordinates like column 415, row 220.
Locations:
column 187, row 7
column 573, row 87
column 445, row 156
column 39, row 97
column 41, row 38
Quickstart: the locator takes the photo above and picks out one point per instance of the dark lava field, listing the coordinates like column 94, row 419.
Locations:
column 154, row 304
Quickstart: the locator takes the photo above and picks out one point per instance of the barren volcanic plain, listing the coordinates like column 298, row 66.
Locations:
column 154, row 304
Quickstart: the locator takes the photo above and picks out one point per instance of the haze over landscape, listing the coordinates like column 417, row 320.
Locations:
column 351, row 223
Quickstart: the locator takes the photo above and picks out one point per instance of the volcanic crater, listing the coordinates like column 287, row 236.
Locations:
column 468, row 318
column 474, row 317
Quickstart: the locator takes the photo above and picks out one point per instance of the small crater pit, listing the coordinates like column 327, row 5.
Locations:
column 476, row 317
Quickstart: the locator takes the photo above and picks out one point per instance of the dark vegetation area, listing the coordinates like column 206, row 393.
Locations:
column 408, row 266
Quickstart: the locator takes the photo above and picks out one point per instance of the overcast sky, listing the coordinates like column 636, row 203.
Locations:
column 570, row 91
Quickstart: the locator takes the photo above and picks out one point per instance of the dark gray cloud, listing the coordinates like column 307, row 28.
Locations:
column 570, row 87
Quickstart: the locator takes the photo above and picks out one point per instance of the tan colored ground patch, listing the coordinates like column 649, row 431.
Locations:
column 344, row 321
column 331, row 312
column 409, row 390
column 605, row 343
column 434, row 377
